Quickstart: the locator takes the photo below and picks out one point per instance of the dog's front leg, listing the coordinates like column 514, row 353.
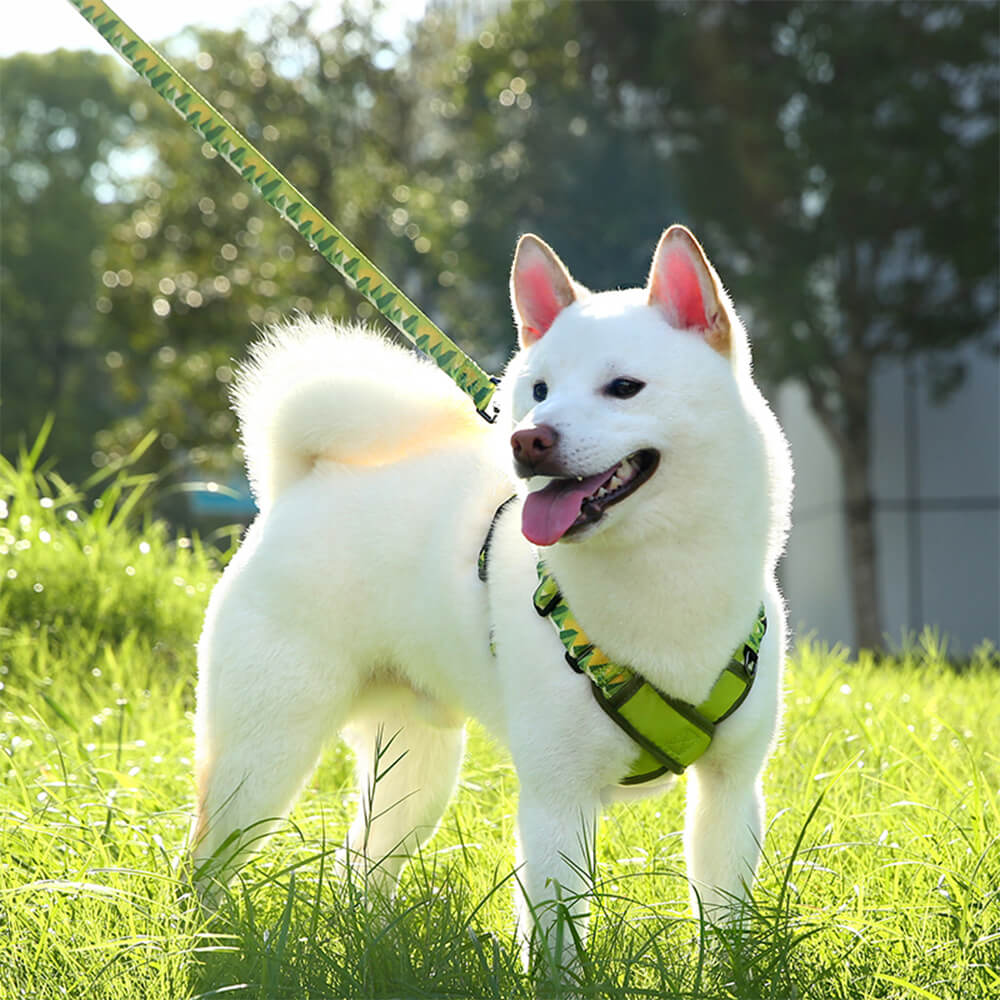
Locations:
column 722, row 839
column 556, row 867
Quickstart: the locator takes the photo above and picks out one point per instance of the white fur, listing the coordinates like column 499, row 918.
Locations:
column 354, row 603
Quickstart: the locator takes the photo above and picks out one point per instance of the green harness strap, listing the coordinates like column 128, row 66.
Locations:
column 670, row 733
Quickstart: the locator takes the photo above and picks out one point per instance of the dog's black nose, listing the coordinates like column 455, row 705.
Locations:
column 533, row 446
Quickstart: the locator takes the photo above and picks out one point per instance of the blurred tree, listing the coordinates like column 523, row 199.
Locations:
column 518, row 131
column 198, row 261
column 840, row 162
column 62, row 118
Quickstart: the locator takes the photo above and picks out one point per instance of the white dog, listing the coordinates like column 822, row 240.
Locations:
column 653, row 481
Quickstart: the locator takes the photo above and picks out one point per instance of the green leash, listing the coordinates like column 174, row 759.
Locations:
column 670, row 733
column 321, row 234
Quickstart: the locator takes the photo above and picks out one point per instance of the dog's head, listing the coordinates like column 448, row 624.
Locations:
column 624, row 407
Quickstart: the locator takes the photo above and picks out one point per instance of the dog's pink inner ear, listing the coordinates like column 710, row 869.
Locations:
column 677, row 288
column 540, row 288
column 537, row 299
column 681, row 284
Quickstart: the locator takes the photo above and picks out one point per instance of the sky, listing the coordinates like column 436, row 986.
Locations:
column 44, row 25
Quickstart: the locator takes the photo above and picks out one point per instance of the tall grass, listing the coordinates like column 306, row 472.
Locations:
column 88, row 572
column 881, row 870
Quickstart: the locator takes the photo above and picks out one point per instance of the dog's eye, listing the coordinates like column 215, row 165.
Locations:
column 539, row 390
column 623, row 388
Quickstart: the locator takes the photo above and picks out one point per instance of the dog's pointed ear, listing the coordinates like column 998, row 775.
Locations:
column 683, row 284
column 540, row 288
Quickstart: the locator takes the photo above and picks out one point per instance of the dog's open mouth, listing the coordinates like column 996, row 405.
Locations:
column 569, row 505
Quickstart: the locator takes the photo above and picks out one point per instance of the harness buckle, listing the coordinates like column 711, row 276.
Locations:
column 490, row 417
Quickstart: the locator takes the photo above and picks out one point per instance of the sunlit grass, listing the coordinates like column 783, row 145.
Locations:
column 881, row 864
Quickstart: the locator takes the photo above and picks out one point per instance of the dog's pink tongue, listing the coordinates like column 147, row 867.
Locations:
column 547, row 514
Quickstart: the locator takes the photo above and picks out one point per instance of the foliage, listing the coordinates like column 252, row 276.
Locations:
column 838, row 160
column 435, row 158
column 524, row 144
column 841, row 160
column 880, row 872
column 213, row 262
column 63, row 121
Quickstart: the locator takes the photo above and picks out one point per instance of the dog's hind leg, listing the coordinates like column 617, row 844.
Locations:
column 407, row 768
column 262, row 719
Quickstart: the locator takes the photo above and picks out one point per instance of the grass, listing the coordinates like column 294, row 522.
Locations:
column 881, row 864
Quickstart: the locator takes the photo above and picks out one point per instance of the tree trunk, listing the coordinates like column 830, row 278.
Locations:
column 850, row 432
column 859, row 510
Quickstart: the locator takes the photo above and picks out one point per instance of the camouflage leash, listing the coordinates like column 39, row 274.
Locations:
column 321, row 234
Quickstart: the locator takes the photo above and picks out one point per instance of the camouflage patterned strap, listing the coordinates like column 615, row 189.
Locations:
column 670, row 733
column 291, row 205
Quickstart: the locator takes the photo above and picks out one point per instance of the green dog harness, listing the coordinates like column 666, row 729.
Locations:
column 671, row 734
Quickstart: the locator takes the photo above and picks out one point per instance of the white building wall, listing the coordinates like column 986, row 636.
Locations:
column 936, row 483
column 814, row 572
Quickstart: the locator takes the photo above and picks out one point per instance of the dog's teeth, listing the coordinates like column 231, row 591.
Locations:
column 624, row 473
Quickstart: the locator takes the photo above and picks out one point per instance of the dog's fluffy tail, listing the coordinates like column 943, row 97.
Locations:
column 313, row 389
